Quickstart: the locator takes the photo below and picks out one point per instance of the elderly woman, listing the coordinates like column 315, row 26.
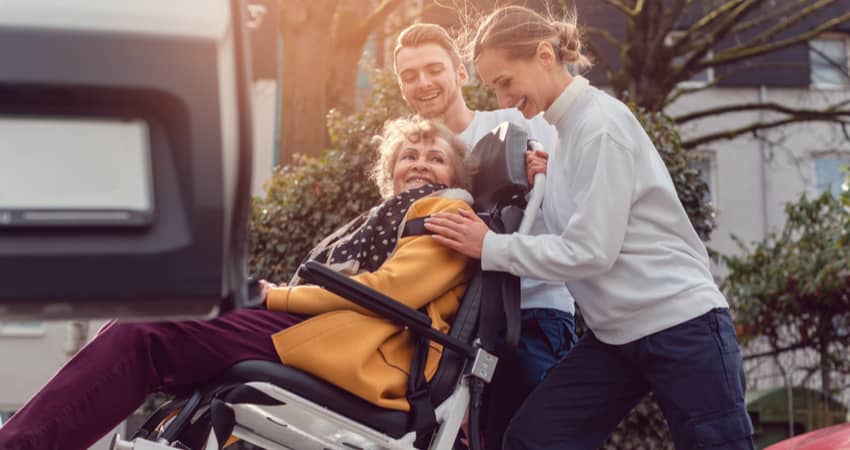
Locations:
column 304, row 326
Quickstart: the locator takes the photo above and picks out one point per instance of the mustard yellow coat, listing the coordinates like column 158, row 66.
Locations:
column 348, row 345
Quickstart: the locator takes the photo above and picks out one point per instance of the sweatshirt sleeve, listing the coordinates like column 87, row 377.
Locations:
column 419, row 271
column 601, row 186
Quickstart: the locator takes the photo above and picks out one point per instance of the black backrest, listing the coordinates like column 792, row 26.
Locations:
column 501, row 167
column 501, row 180
column 465, row 328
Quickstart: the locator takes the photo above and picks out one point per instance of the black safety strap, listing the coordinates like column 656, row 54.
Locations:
column 500, row 307
column 500, row 310
column 422, row 417
column 416, row 227
column 223, row 420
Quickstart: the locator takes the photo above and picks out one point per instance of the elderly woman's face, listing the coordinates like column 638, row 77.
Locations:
column 421, row 163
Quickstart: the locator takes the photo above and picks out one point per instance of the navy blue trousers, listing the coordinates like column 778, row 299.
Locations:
column 694, row 369
column 545, row 338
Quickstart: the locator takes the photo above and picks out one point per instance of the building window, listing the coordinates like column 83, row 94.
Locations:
column 700, row 79
column 829, row 175
column 828, row 56
column 22, row 328
column 706, row 163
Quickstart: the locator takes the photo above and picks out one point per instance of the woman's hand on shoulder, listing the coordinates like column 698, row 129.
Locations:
column 463, row 232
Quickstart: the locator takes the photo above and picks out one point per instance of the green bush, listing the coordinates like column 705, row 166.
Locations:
column 792, row 289
column 311, row 197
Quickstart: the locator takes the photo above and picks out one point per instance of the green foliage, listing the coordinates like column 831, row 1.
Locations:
column 311, row 197
column 793, row 288
column 478, row 97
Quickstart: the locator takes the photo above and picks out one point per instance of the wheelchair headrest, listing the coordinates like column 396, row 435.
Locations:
column 501, row 167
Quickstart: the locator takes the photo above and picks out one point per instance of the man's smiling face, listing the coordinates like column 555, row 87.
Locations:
column 430, row 83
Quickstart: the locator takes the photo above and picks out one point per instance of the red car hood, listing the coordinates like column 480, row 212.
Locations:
column 836, row 437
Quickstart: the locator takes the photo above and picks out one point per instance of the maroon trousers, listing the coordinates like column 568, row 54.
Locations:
column 109, row 378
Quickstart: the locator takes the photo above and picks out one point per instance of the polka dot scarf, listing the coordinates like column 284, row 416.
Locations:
column 367, row 241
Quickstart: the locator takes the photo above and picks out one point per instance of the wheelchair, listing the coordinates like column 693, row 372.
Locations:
column 274, row 406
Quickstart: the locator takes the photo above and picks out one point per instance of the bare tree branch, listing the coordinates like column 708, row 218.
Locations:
column 753, row 127
column 739, row 53
column 379, row 15
column 837, row 65
column 625, row 9
column 775, row 351
column 782, row 11
column 783, row 24
column 711, row 16
column 695, row 61
column 832, row 111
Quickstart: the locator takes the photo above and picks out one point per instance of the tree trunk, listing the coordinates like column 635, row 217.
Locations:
column 306, row 28
column 342, row 82
column 647, row 63
column 354, row 23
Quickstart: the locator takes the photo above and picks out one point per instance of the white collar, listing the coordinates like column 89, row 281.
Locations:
column 562, row 103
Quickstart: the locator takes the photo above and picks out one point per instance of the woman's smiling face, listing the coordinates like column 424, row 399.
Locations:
column 421, row 163
column 515, row 81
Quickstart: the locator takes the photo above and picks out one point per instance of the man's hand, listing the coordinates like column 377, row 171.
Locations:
column 463, row 232
column 535, row 162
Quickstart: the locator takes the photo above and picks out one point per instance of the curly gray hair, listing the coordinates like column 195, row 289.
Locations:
column 414, row 129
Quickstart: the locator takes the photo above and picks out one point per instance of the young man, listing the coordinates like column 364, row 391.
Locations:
column 431, row 75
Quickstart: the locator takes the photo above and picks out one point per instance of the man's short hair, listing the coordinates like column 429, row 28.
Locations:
column 426, row 33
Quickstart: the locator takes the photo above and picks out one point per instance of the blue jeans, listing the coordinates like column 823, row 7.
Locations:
column 545, row 338
column 694, row 369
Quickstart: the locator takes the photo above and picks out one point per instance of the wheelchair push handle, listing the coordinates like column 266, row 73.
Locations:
column 535, row 197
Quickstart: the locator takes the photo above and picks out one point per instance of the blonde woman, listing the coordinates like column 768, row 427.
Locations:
column 626, row 249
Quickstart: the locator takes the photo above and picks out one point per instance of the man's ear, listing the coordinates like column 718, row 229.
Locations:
column 546, row 54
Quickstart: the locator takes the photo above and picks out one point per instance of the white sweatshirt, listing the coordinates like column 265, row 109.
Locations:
column 625, row 245
column 535, row 293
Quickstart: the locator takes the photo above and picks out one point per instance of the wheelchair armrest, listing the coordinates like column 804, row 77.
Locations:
column 395, row 311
